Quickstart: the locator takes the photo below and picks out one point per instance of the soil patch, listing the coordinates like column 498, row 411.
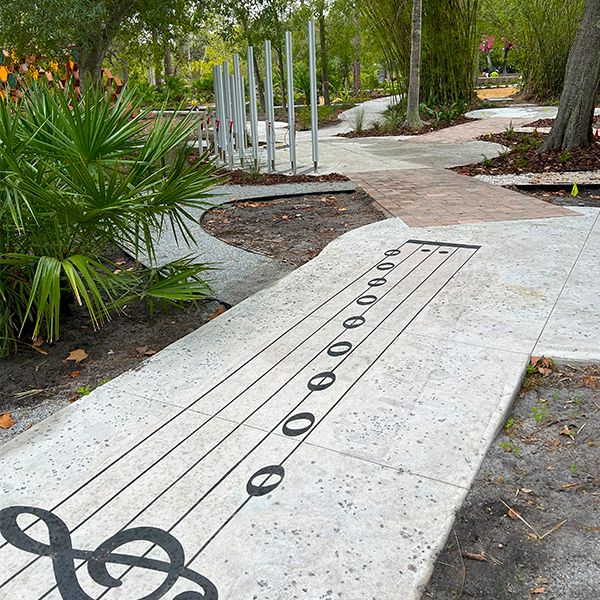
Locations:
column 550, row 122
column 34, row 384
column 384, row 132
column 291, row 230
column 544, row 466
column 565, row 198
column 240, row 177
column 523, row 157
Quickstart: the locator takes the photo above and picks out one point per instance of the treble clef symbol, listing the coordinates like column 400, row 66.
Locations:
column 60, row 550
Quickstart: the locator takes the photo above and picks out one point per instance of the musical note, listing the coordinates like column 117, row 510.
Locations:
column 60, row 549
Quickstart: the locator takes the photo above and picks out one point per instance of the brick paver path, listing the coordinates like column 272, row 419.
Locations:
column 430, row 197
column 466, row 132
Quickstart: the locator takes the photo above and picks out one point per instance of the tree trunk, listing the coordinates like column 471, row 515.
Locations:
column 90, row 64
column 95, row 43
column 413, row 118
column 573, row 125
column 168, row 62
column 324, row 69
column 356, row 65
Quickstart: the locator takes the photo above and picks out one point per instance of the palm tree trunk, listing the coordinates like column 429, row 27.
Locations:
column 413, row 118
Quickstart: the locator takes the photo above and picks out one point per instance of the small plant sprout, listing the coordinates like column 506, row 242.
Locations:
column 357, row 119
column 510, row 446
column 563, row 158
column 509, row 424
column 510, row 131
column 539, row 413
column 84, row 390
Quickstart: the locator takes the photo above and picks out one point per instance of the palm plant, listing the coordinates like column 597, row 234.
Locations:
column 78, row 179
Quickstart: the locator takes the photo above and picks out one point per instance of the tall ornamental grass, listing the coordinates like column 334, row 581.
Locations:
column 77, row 180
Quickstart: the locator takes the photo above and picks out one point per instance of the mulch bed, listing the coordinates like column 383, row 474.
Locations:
column 36, row 383
column 239, row 177
column 589, row 197
column 291, row 230
column 544, row 466
column 550, row 122
column 381, row 132
column 523, row 157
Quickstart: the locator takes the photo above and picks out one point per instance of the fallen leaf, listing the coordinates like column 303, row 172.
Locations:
column 566, row 431
column 590, row 381
column 534, row 360
column 473, row 556
column 513, row 514
column 144, row 350
column 77, row 355
column 538, row 590
column 217, row 312
column 7, row 421
column 74, row 374
column 526, row 490
column 37, row 345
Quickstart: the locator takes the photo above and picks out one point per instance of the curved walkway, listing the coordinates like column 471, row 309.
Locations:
column 314, row 441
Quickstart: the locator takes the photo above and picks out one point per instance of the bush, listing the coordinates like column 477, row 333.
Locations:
column 78, row 179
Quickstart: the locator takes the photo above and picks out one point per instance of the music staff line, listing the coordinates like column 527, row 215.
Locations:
column 299, row 404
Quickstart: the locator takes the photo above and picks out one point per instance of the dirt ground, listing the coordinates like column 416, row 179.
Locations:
column 36, row 383
column 292, row 230
column 585, row 197
column 530, row 526
column 523, row 156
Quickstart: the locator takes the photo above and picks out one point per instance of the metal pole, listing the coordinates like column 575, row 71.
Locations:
column 253, row 108
column 243, row 106
column 216, row 111
column 229, row 117
column 221, row 115
column 200, row 133
column 314, row 106
column 233, row 110
column 240, row 109
column 290, row 95
column 270, row 116
column 215, row 134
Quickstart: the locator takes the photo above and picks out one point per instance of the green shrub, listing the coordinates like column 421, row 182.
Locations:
column 78, row 179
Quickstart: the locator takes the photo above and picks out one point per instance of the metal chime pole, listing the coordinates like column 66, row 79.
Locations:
column 219, row 104
column 229, row 117
column 314, row 102
column 243, row 107
column 290, row 95
column 215, row 133
column 233, row 111
column 239, row 109
column 224, row 118
column 270, row 116
column 253, row 108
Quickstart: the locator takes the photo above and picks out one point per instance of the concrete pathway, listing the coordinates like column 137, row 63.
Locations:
column 237, row 273
column 315, row 441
